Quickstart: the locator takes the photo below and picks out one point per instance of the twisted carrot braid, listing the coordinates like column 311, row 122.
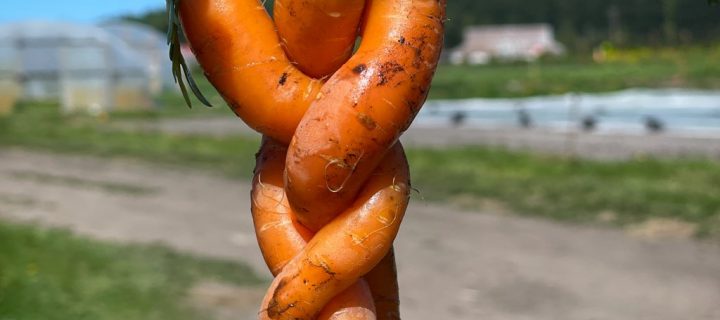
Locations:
column 314, row 269
column 331, row 184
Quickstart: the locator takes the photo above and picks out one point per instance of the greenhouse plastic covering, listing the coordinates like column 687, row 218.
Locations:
column 152, row 45
column 82, row 66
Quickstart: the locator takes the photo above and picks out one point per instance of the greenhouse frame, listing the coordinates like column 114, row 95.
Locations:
column 83, row 67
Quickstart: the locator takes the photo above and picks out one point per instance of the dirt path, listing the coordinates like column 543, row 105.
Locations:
column 453, row 264
column 586, row 145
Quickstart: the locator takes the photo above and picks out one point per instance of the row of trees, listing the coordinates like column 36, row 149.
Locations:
column 579, row 24
column 582, row 24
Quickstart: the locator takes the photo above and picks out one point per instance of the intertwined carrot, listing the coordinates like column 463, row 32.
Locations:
column 236, row 44
column 364, row 107
column 281, row 238
column 318, row 36
column 331, row 184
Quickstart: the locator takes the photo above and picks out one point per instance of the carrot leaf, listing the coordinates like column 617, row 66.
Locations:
column 179, row 66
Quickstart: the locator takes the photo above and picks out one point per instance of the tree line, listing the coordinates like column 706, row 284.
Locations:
column 582, row 24
column 579, row 24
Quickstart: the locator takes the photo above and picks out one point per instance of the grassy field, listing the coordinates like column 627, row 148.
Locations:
column 40, row 126
column 51, row 274
column 621, row 193
column 695, row 67
column 644, row 68
column 555, row 187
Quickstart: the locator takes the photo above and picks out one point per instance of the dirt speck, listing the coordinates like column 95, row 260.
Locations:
column 359, row 68
column 367, row 121
column 283, row 79
column 388, row 70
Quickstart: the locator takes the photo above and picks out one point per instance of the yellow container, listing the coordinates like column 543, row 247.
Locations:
column 9, row 94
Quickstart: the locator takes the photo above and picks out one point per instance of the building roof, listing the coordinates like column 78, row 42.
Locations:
column 510, row 40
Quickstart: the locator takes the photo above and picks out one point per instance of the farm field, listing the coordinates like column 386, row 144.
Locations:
column 165, row 202
column 513, row 267
column 555, row 186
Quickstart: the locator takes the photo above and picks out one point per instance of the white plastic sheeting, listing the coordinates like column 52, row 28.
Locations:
column 682, row 111
column 152, row 45
column 82, row 66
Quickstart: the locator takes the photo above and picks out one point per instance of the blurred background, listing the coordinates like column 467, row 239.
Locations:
column 566, row 166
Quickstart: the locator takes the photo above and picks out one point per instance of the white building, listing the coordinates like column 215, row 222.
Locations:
column 506, row 42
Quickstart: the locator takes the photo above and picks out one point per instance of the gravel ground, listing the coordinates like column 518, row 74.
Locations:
column 452, row 263
column 606, row 146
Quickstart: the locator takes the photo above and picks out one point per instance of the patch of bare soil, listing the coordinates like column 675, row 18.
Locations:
column 455, row 264
column 224, row 301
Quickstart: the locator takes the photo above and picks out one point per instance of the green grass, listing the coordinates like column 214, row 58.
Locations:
column 555, row 187
column 41, row 126
column 516, row 80
column 500, row 81
column 172, row 103
column 572, row 189
column 51, row 274
column 694, row 67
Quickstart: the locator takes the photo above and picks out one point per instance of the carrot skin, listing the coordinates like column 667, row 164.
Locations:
column 365, row 232
column 281, row 238
column 279, row 234
column 318, row 36
column 344, row 162
column 383, row 284
column 355, row 303
column 236, row 44
column 363, row 108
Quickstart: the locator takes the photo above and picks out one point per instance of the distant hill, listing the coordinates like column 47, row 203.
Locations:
column 579, row 24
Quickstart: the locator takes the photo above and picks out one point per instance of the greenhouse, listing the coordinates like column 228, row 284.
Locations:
column 83, row 67
column 152, row 45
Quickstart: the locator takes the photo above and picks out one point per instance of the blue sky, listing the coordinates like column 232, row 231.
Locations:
column 85, row 11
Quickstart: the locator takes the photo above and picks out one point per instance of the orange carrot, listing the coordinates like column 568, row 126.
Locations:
column 281, row 237
column 346, row 177
column 319, row 35
column 364, row 107
column 236, row 44
column 279, row 234
column 355, row 303
column 365, row 232
column 384, row 287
